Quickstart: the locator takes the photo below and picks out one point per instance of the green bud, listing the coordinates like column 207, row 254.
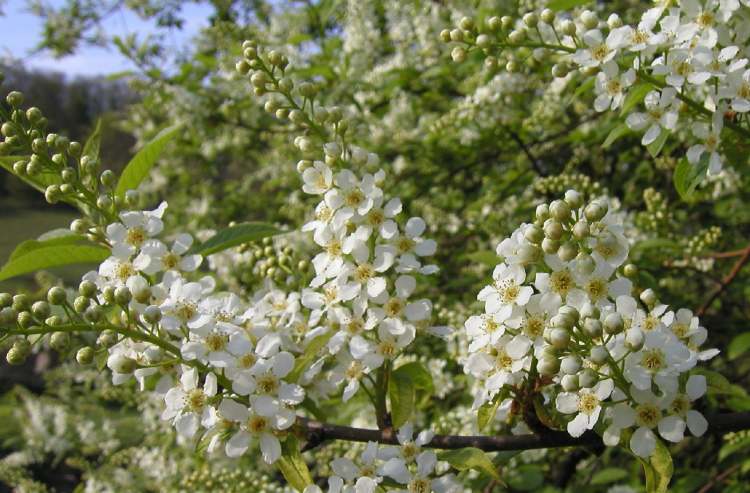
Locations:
column 494, row 23
column 68, row 175
column 107, row 338
column 21, row 302
column 14, row 99
column 592, row 327
column 75, row 149
column 81, row 303
column 569, row 383
column 15, row 357
column 560, row 210
column 108, row 293
column 52, row 194
column 59, row 341
column 93, row 313
column 599, row 355
column 587, row 378
column 8, row 129
column 104, row 202
column 79, row 226
column 581, row 229
column 548, row 16
column 19, row 167
column 589, row 19
column 548, row 366
column 87, row 289
column 559, row 338
column 242, row 67
column 445, row 35
column 630, row 271
column 568, row 27
column 567, row 251
column 648, row 296
column 595, row 211
column 25, row 319
column 553, row 229
column 297, row 117
column 307, row 89
column 259, row 79
column 132, row 197
column 123, row 295
column 6, row 299
column 483, row 41
column 570, row 365
column 531, row 19
column 589, row 310
column 466, row 23
column 634, row 339
column 286, row 84
column 550, row 246
column 53, row 321
column 542, row 212
column 41, row 310
column 39, row 145
column 34, row 114
column 85, row 355
column 512, row 66
column 108, row 178
column 56, row 295
column 517, row 36
column 66, row 189
column 152, row 314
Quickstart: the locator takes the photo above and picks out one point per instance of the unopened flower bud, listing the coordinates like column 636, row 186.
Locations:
column 613, row 323
column 21, row 302
column 531, row 19
column 589, row 310
column 466, row 23
column 108, row 178
column 56, row 295
column 595, row 210
column 534, row 234
column 85, row 355
column 59, row 341
column 634, row 339
column 542, row 212
column 550, row 246
column 630, row 271
column 560, row 210
column 445, row 35
column 585, row 263
column 458, row 54
column 107, row 338
column 553, row 229
column 41, row 310
column 614, row 21
column 25, row 320
column 587, row 378
column 123, row 295
column 457, row 35
column 15, row 357
column 592, row 327
column 569, row 383
column 548, row 366
column 567, row 251
column 152, row 314
column 14, row 99
column 53, row 321
column 560, row 70
column 581, row 229
column 517, row 36
column 570, row 365
column 648, row 297
column 559, row 338
column 483, row 41
column 494, row 23
column 548, row 16
column 599, row 355
column 589, row 19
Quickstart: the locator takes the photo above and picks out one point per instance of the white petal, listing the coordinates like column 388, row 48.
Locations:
column 238, row 444
column 270, row 448
column 643, row 442
column 672, row 428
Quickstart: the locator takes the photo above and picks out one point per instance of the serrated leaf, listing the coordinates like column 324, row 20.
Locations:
column 138, row 167
column 470, row 458
column 655, row 147
column 402, row 394
column 419, row 375
column 53, row 256
column 93, row 143
column 31, row 245
column 636, row 94
column 303, row 362
column 292, row 465
column 558, row 5
column 615, row 134
column 609, row 475
column 739, row 346
column 235, row 235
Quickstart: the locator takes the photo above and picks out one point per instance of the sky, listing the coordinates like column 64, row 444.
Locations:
column 20, row 33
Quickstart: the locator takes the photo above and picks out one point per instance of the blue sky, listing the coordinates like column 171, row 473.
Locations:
column 20, row 32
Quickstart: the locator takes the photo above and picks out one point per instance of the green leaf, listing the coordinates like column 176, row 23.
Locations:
column 687, row 176
column 615, row 134
column 53, row 256
column 486, row 257
column 292, row 465
column 470, row 458
column 738, row 346
column 100, row 360
column 303, row 362
column 235, row 235
column 138, row 167
column 582, row 88
column 40, row 182
column 402, row 393
column 93, row 143
column 733, row 447
column 609, row 475
column 661, row 462
column 636, row 94
column 528, row 477
column 558, row 5
column 419, row 375
column 655, row 147
column 31, row 245
column 486, row 413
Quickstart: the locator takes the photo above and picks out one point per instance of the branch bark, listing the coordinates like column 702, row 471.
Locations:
column 736, row 268
column 318, row 432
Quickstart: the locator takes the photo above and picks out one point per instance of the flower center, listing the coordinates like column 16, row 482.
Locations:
column 587, row 403
column 650, row 323
column 533, row 326
column 170, row 260
column 124, row 270
column 185, row 310
column 405, row 244
column 596, row 288
column 393, row 307
column 247, row 360
column 561, row 282
column 353, row 371
column 135, row 236
column 409, row 450
column 364, row 273
column 647, row 415
column 744, row 90
column 355, row 326
column 680, row 330
column 503, row 361
column 324, row 213
column 653, row 359
column 257, row 424
column 705, row 19
column 387, row 349
column 354, row 197
column 196, row 399
column 216, row 342
column 599, row 52
column 331, row 294
column 375, row 218
column 680, row 405
column 334, row 248
column 420, row 485
column 267, row 384
column 614, row 87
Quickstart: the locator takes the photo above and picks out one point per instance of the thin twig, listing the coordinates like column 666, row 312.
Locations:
column 718, row 479
column 736, row 268
column 320, row 432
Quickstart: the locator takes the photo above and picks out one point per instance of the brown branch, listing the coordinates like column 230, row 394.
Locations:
column 718, row 479
column 319, row 432
column 736, row 268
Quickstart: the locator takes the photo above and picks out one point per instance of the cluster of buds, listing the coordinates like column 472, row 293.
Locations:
column 560, row 317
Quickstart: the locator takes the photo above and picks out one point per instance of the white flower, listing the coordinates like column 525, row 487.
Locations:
column 353, row 478
column 599, row 51
column 411, row 245
column 318, row 179
column 421, row 479
column 680, row 406
column 661, row 360
column 259, row 421
column 388, row 345
column 136, row 227
column 587, row 403
column 611, row 86
column 711, row 136
column 661, row 113
column 180, row 308
column 410, row 447
column 507, row 292
column 188, row 404
column 156, row 257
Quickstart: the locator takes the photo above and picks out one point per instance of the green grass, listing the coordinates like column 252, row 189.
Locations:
column 21, row 221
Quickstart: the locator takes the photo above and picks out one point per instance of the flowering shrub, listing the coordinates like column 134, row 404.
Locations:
column 265, row 342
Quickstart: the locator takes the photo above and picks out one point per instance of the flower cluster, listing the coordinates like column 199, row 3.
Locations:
column 684, row 55
column 411, row 467
column 560, row 317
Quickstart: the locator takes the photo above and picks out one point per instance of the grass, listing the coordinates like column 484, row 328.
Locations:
column 23, row 220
